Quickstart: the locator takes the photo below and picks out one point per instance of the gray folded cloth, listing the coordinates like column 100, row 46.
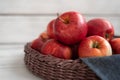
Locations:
column 107, row 68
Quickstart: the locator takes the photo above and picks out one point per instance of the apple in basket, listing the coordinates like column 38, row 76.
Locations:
column 115, row 43
column 94, row 46
column 50, row 30
column 70, row 27
column 101, row 27
column 38, row 43
column 54, row 48
column 44, row 36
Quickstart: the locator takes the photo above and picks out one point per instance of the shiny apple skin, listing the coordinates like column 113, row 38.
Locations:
column 37, row 44
column 87, row 47
column 50, row 30
column 101, row 27
column 115, row 44
column 70, row 27
column 54, row 48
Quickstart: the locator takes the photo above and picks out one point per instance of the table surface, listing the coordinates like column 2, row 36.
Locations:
column 22, row 21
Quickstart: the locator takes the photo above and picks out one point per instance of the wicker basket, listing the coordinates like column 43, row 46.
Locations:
column 52, row 68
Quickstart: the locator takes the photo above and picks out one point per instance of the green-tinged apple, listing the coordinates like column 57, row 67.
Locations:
column 70, row 27
column 94, row 46
column 50, row 30
column 101, row 27
column 115, row 44
column 53, row 47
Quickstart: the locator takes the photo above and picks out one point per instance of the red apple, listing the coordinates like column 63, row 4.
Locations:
column 70, row 27
column 56, row 49
column 50, row 30
column 44, row 36
column 37, row 44
column 115, row 43
column 101, row 27
column 94, row 46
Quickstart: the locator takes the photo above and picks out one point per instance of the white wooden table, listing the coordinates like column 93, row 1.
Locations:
column 22, row 21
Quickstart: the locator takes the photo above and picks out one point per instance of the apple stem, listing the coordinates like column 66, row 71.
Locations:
column 66, row 21
column 107, row 36
column 60, row 17
column 57, row 14
column 95, row 45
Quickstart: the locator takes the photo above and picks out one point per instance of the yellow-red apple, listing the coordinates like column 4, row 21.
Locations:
column 94, row 46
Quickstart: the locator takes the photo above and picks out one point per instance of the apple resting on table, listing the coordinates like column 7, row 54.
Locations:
column 94, row 46
column 101, row 27
column 70, row 27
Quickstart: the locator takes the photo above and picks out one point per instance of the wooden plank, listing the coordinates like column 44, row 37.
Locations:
column 17, row 74
column 21, row 29
column 54, row 6
column 12, row 64
column 11, row 56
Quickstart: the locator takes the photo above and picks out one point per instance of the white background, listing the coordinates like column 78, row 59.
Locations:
column 23, row 20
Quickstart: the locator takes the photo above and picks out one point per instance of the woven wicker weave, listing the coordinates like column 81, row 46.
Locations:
column 52, row 68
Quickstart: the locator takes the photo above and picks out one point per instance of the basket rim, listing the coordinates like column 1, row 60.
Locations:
column 29, row 44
